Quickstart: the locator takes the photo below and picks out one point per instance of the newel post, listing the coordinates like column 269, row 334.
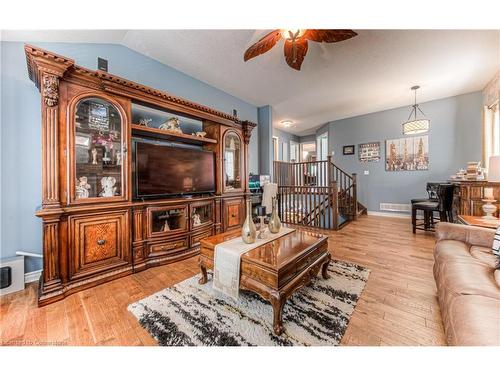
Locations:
column 355, row 196
column 335, row 204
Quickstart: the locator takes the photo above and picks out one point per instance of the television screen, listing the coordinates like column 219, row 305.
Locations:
column 162, row 170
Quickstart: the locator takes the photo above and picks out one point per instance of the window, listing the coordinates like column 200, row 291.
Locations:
column 285, row 151
column 276, row 148
column 294, row 151
column 323, row 146
column 491, row 132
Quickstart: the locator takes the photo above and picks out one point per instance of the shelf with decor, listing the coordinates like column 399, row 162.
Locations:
column 144, row 131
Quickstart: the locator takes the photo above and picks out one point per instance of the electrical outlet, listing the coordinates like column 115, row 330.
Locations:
column 366, row 173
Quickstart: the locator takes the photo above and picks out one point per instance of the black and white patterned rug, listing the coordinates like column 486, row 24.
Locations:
column 192, row 314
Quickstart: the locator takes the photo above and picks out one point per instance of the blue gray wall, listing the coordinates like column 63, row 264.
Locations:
column 454, row 139
column 20, row 184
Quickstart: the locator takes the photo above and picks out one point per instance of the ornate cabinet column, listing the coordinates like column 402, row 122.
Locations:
column 247, row 128
column 45, row 69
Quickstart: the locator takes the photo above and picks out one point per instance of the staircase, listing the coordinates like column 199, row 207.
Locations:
column 316, row 194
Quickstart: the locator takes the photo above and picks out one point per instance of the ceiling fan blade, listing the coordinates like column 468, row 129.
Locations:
column 328, row 36
column 263, row 45
column 295, row 52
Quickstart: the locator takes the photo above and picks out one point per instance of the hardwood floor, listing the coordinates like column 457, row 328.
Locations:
column 397, row 307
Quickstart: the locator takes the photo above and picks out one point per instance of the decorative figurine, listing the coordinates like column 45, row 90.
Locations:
column 118, row 158
column 196, row 219
column 165, row 227
column 200, row 134
column 172, row 124
column 82, row 188
column 108, row 187
column 94, row 156
column 106, row 159
column 145, row 122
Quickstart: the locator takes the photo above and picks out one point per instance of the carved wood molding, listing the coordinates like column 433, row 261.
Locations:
column 50, row 90
column 41, row 61
column 247, row 128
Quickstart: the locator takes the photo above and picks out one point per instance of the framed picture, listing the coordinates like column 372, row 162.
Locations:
column 348, row 150
column 407, row 154
column 369, row 151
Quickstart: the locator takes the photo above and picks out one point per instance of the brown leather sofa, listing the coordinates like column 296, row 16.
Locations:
column 468, row 284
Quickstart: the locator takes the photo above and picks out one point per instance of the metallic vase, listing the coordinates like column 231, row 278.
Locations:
column 248, row 231
column 274, row 221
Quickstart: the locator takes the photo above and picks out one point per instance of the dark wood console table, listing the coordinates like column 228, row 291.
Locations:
column 468, row 197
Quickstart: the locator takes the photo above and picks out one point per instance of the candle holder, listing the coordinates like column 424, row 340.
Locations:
column 489, row 209
column 262, row 230
column 261, row 213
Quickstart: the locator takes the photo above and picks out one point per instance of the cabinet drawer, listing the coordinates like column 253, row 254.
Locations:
column 168, row 247
column 234, row 213
column 197, row 237
column 98, row 242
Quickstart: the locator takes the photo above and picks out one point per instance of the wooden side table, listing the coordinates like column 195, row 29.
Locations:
column 478, row 221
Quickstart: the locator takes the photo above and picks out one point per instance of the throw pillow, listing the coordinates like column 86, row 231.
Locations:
column 496, row 246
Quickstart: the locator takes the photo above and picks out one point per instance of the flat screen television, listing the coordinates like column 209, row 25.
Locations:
column 162, row 170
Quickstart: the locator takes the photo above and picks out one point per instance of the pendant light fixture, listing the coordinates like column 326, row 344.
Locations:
column 416, row 126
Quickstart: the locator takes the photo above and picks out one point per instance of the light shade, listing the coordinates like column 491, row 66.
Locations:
column 416, row 127
column 494, row 169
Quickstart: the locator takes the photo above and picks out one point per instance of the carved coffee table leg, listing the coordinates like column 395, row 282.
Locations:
column 277, row 301
column 204, row 278
column 324, row 268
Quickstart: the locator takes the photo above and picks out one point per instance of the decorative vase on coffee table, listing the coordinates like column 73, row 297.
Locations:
column 274, row 221
column 248, row 231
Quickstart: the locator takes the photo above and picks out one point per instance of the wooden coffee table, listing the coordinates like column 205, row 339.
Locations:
column 276, row 269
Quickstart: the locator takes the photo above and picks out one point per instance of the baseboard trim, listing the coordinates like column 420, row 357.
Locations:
column 30, row 277
column 389, row 214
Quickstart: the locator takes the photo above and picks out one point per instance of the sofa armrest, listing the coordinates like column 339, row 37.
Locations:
column 474, row 236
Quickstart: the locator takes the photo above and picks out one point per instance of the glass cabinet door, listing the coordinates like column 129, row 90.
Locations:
column 201, row 214
column 232, row 161
column 98, row 150
column 167, row 220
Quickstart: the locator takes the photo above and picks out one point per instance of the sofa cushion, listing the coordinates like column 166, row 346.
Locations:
column 483, row 254
column 468, row 277
column 473, row 320
column 446, row 250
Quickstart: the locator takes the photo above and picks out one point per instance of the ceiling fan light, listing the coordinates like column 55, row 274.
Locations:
column 416, row 127
column 285, row 33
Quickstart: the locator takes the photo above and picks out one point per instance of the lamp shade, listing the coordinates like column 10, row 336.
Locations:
column 494, row 169
column 416, row 127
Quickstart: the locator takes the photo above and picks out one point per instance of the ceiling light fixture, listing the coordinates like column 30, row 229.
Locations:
column 286, row 123
column 416, row 126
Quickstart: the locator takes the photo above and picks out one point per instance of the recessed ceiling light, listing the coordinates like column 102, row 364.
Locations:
column 287, row 123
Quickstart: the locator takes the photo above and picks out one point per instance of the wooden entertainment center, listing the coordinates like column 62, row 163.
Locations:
column 93, row 229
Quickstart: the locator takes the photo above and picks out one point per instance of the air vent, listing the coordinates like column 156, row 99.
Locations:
column 395, row 207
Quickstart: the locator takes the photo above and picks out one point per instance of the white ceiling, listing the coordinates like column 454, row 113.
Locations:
column 371, row 72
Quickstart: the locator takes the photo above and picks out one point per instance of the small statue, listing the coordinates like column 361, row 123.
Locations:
column 108, row 187
column 165, row 227
column 82, row 188
column 94, row 156
column 172, row 124
column 145, row 122
column 118, row 158
column 200, row 134
column 196, row 219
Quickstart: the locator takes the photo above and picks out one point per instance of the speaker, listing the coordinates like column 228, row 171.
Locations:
column 5, row 277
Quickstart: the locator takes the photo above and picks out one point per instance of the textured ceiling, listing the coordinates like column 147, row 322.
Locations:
column 371, row 72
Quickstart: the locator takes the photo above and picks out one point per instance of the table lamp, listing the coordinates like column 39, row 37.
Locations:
column 494, row 169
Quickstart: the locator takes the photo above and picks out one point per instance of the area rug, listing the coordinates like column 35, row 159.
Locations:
column 190, row 314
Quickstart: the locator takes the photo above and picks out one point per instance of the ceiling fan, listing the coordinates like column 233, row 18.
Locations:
column 296, row 43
